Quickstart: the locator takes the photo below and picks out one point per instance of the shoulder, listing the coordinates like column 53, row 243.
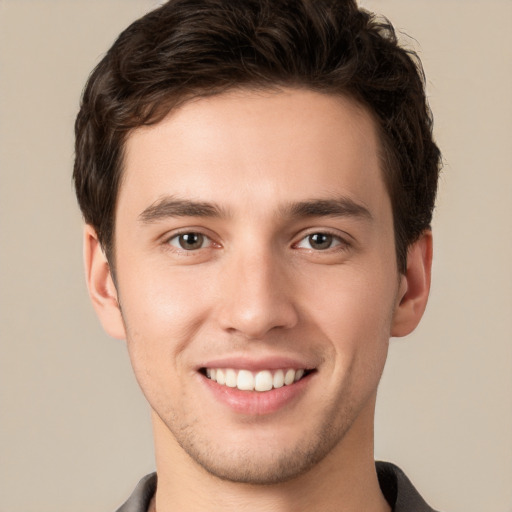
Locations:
column 141, row 496
column 398, row 489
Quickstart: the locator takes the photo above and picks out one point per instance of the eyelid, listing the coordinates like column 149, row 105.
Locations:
column 336, row 242
column 176, row 237
column 342, row 239
column 166, row 239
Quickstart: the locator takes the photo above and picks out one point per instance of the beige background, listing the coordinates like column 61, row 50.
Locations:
column 75, row 433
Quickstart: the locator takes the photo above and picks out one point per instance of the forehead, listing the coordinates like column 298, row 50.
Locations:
column 263, row 146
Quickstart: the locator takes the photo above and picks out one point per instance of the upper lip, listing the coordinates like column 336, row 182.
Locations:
column 256, row 364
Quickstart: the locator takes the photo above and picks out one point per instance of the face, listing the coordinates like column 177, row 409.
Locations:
column 257, row 279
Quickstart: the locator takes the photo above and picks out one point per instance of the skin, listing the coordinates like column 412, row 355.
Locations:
column 259, row 288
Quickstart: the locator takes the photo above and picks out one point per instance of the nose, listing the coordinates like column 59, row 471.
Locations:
column 256, row 295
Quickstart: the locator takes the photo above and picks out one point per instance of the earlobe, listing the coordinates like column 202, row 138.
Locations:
column 415, row 287
column 102, row 290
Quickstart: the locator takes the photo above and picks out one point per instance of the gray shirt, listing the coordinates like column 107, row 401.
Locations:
column 396, row 487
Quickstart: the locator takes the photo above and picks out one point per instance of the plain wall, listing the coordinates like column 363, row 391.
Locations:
column 75, row 430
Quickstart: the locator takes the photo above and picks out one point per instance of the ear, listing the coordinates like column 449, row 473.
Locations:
column 414, row 286
column 101, row 286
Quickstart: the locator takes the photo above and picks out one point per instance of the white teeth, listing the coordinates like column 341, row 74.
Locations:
column 263, row 381
column 278, row 380
column 231, row 378
column 289, row 377
column 220, row 377
column 245, row 380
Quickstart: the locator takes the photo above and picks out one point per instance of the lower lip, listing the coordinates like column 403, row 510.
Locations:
column 257, row 403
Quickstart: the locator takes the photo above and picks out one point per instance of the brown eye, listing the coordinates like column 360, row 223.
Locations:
column 188, row 241
column 320, row 241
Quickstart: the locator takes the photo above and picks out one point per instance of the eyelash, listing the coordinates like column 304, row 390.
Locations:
column 176, row 236
column 339, row 242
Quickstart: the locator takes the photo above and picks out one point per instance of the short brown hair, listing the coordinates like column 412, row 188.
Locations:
column 193, row 48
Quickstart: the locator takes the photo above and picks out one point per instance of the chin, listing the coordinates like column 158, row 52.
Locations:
column 250, row 469
column 262, row 459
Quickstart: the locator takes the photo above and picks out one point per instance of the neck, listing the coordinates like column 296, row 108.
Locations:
column 345, row 479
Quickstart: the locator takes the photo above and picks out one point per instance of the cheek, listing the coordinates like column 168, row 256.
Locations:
column 162, row 312
column 160, row 300
column 354, row 310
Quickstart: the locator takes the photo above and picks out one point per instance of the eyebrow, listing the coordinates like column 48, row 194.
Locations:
column 339, row 207
column 175, row 207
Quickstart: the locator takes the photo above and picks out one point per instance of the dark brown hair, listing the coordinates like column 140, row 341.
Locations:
column 192, row 48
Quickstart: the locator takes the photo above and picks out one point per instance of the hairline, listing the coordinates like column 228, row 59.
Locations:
column 385, row 154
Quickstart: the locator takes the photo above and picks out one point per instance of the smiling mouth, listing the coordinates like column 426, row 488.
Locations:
column 264, row 380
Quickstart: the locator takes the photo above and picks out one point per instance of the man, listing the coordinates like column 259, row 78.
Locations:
column 257, row 180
